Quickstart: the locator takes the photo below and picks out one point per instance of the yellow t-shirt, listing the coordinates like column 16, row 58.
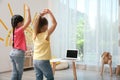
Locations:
column 42, row 49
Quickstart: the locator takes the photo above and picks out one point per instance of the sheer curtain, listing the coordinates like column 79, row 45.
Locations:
column 64, row 36
column 101, row 30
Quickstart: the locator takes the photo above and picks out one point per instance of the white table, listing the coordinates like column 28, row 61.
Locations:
column 54, row 61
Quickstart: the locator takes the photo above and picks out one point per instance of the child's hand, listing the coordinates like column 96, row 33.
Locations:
column 42, row 13
column 47, row 11
column 27, row 7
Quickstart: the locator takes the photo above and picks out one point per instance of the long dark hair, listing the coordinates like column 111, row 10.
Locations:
column 42, row 21
column 14, row 21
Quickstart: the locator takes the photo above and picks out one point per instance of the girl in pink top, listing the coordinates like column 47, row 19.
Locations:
column 19, row 44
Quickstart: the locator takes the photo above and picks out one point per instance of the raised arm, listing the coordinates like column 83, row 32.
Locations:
column 35, row 25
column 26, row 24
column 54, row 22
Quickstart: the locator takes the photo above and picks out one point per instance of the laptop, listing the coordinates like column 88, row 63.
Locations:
column 71, row 54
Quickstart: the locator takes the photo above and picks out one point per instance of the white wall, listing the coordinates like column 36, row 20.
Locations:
column 17, row 7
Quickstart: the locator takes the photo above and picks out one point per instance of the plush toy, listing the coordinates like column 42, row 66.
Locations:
column 106, row 58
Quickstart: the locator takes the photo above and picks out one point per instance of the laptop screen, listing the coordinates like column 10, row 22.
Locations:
column 72, row 53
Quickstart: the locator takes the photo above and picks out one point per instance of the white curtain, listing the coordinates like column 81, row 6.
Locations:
column 101, row 30
column 64, row 36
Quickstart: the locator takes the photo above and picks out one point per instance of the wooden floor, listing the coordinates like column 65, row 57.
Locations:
column 65, row 75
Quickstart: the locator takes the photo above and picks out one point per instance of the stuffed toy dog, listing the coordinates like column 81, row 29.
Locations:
column 106, row 58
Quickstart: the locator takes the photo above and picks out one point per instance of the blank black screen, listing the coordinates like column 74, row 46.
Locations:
column 72, row 53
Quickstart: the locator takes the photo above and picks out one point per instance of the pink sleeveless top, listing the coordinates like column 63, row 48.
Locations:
column 19, row 39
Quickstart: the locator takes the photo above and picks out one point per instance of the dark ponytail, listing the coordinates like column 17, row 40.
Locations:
column 14, row 21
column 13, row 37
column 42, row 22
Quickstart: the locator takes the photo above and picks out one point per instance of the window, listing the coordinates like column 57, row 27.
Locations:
column 80, row 28
column 97, row 29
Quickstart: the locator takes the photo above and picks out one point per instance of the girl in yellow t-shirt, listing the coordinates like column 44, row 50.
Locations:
column 42, row 52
